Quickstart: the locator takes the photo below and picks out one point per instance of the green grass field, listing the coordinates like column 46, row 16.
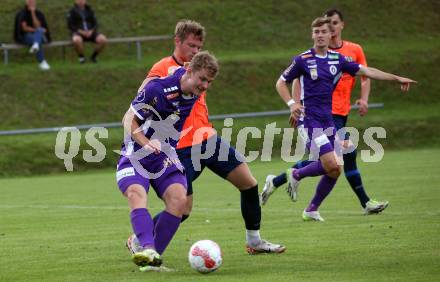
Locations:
column 73, row 226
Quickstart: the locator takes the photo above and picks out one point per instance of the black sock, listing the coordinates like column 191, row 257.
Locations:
column 354, row 177
column 250, row 208
column 94, row 55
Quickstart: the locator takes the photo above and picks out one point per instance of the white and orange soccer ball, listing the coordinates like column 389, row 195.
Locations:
column 205, row 256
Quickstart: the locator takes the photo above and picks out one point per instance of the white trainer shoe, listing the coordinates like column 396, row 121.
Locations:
column 146, row 257
column 34, row 48
column 373, row 206
column 265, row 247
column 268, row 189
column 292, row 185
column 312, row 216
column 132, row 244
column 44, row 65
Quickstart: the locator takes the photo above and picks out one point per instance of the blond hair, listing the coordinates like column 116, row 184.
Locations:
column 186, row 27
column 318, row 22
column 205, row 61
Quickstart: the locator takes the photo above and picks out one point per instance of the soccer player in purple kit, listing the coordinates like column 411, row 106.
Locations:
column 145, row 160
column 319, row 70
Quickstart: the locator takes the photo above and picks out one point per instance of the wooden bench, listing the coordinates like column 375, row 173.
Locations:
column 63, row 44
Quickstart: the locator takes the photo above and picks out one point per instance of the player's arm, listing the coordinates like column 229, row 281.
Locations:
column 295, row 107
column 362, row 102
column 289, row 75
column 296, row 91
column 132, row 126
column 377, row 74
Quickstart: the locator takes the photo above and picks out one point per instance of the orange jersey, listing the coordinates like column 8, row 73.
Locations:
column 342, row 92
column 198, row 117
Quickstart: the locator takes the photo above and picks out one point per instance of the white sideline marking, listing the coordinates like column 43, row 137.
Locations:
column 219, row 210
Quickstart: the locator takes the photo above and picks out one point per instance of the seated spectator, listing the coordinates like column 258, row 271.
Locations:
column 83, row 25
column 31, row 29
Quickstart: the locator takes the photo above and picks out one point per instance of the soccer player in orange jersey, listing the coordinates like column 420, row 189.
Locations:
column 340, row 110
column 199, row 134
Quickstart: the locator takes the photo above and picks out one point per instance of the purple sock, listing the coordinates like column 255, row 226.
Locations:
column 142, row 224
column 313, row 169
column 164, row 230
column 324, row 188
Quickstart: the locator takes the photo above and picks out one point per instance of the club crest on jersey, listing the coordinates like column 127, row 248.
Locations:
column 314, row 73
column 333, row 69
column 141, row 96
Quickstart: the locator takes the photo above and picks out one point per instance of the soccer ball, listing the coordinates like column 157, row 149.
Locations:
column 205, row 256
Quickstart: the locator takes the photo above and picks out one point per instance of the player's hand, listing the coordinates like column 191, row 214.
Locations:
column 363, row 107
column 296, row 110
column 153, row 145
column 405, row 83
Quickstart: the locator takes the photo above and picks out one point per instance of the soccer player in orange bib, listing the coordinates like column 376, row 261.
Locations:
column 340, row 110
column 194, row 147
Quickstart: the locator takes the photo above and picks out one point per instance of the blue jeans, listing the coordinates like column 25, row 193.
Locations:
column 36, row 37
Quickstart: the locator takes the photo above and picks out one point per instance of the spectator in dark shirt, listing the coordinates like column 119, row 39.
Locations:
column 83, row 25
column 31, row 29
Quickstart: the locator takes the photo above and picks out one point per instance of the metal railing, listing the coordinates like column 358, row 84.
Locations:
column 119, row 124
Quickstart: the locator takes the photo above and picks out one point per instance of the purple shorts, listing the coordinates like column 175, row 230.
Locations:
column 320, row 136
column 165, row 171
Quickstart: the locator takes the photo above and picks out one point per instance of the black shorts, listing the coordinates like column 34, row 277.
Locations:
column 223, row 160
column 90, row 39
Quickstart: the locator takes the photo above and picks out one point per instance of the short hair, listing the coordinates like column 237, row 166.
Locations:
column 186, row 27
column 332, row 12
column 318, row 22
column 205, row 61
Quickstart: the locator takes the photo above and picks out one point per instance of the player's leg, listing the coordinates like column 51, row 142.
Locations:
column 191, row 175
column 273, row 182
column 172, row 189
column 135, row 188
column 238, row 173
column 325, row 185
column 352, row 173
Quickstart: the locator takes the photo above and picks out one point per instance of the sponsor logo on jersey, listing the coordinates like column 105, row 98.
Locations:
column 314, row 73
column 348, row 59
column 289, row 68
column 333, row 62
column 312, row 66
column 333, row 69
column 311, row 62
column 170, row 89
column 333, row 56
column 306, row 56
column 126, row 172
